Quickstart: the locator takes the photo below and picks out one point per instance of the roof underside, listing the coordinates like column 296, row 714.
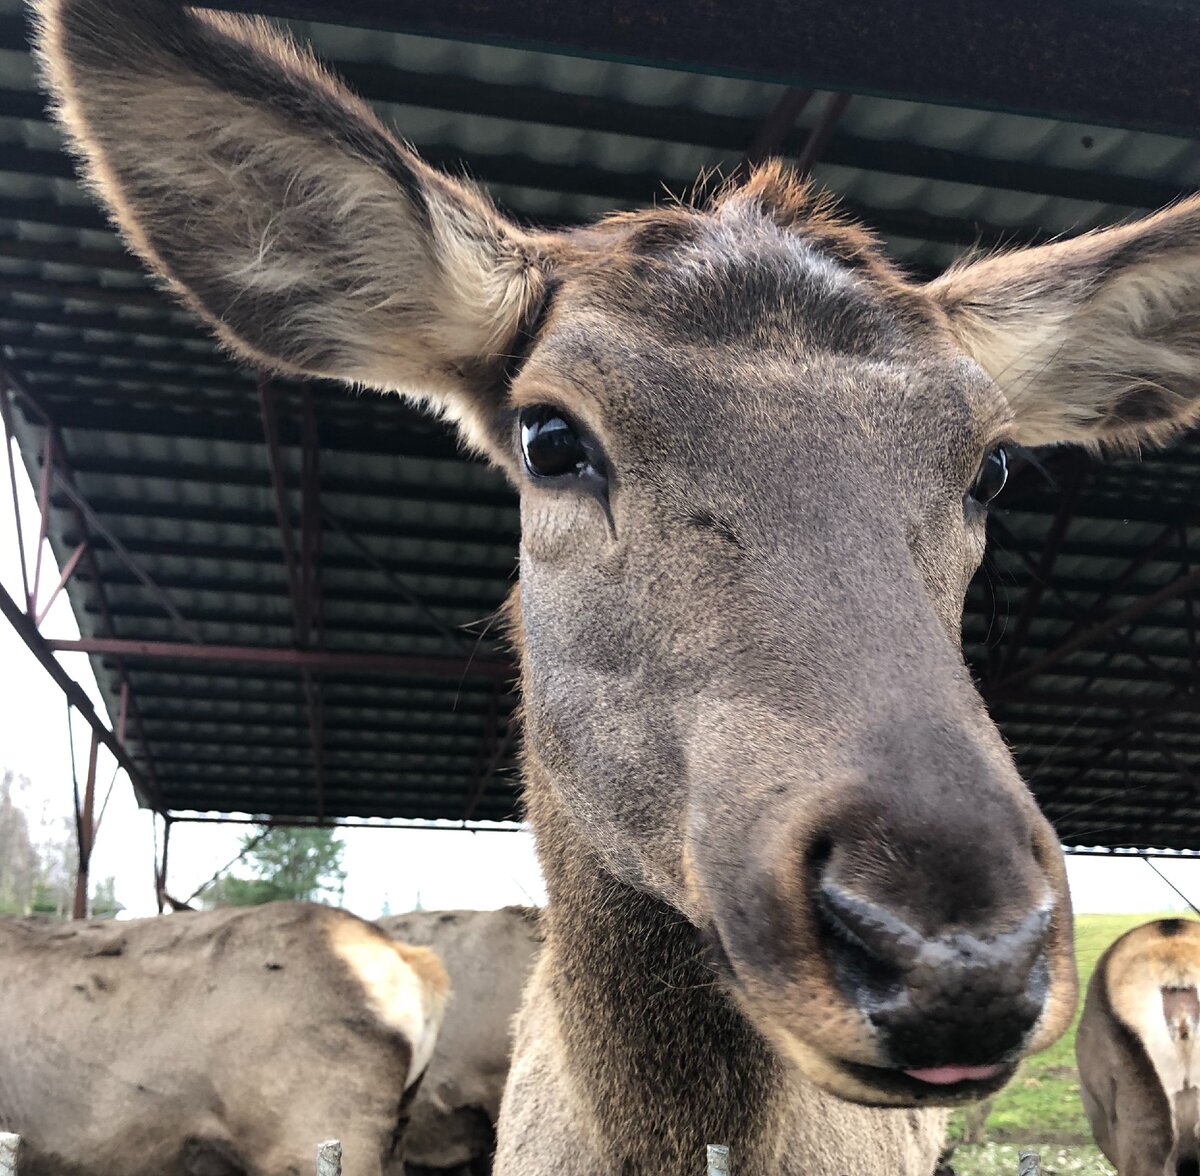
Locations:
column 165, row 437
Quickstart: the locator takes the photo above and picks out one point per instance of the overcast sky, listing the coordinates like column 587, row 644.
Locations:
column 388, row 869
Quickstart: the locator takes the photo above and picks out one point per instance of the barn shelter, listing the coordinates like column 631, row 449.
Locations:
column 288, row 592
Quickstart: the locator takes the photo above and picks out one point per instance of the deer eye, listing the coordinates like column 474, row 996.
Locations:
column 553, row 446
column 991, row 477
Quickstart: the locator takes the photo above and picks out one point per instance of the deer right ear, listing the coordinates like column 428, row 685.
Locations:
column 280, row 208
column 1094, row 340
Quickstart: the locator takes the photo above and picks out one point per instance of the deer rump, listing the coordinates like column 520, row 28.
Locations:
column 214, row 1043
column 1139, row 1061
column 489, row 955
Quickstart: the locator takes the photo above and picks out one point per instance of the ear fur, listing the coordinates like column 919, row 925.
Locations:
column 1094, row 340
column 276, row 204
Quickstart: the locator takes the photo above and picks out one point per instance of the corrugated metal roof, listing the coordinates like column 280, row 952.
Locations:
column 164, row 437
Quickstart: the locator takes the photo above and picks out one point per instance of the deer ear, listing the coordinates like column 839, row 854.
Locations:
column 1094, row 340
column 278, row 206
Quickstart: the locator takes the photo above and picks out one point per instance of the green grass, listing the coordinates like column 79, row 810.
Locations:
column 1041, row 1105
column 1000, row 1159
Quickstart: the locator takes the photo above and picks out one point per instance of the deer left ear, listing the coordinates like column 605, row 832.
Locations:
column 1094, row 340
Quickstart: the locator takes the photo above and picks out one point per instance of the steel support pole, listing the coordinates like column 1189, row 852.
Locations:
column 1081, row 638
column 820, row 134
column 145, row 783
column 160, row 867
column 1042, row 571
column 313, row 659
column 85, row 824
column 775, row 127
column 40, row 648
column 10, row 438
column 63, row 579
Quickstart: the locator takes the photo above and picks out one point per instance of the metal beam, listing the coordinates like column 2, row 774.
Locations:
column 76, row 696
column 822, row 132
column 63, row 580
column 1043, row 570
column 1081, row 638
column 313, row 659
column 770, row 137
column 9, row 441
column 85, row 824
column 350, row 823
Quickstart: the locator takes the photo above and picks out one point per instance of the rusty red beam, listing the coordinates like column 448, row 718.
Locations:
column 43, row 514
column 145, row 783
column 310, row 587
column 1086, row 636
column 310, row 518
column 300, row 564
column 346, row 823
column 85, row 824
column 9, row 437
column 313, row 659
column 93, row 522
column 283, row 516
column 775, row 128
column 23, row 624
column 493, row 765
column 821, row 133
column 1190, row 603
column 63, row 579
column 1043, row 570
column 123, row 712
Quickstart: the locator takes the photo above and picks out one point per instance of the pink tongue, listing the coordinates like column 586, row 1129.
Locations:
column 949, row 1075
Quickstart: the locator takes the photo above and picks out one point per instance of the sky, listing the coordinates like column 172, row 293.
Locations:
column 388, row 869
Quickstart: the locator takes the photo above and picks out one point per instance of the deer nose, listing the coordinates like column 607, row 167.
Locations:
column 946, row 1007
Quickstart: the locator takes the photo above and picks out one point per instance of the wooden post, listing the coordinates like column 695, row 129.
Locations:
column 718, row 1160
column 1029, row 1164
column 9, row 1146
column 329, row 1158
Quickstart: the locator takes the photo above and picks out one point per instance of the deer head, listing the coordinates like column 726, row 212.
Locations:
column 754, row 463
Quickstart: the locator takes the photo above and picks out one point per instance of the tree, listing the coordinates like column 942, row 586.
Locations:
column 285, row 863
column 37, row 852
column 104, row 899
column 20, row 865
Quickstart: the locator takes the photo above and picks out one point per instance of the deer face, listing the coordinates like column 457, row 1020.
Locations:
column 753, row 464
column 753, row 485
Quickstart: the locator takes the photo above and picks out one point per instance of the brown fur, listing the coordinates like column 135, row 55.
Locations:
column 489, row 955
column 789, row 856
column 1141, row 1014
column 227, row 1042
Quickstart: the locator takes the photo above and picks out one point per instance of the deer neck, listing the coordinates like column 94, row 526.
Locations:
column 661, row 1056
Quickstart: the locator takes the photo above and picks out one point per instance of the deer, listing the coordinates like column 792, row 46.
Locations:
column 800, row 899
column 212, row 1043
column 488, row 956
column 1139, row 1071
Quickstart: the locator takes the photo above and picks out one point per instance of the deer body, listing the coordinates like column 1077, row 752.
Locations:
column 1139, row 1065
column 789, row 857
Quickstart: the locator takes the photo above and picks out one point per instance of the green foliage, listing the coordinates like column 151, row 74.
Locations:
column 104, row 899
column 37, row 857
column 1041, row 1104
column 1000, row 1159
column 284, row 863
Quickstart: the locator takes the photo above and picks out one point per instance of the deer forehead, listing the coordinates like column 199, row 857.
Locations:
column 750, row 325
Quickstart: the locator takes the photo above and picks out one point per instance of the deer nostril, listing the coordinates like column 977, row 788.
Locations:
column 956, row 999
column 868, row 949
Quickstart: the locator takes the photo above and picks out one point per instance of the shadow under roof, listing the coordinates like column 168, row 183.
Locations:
column 1082, row 633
